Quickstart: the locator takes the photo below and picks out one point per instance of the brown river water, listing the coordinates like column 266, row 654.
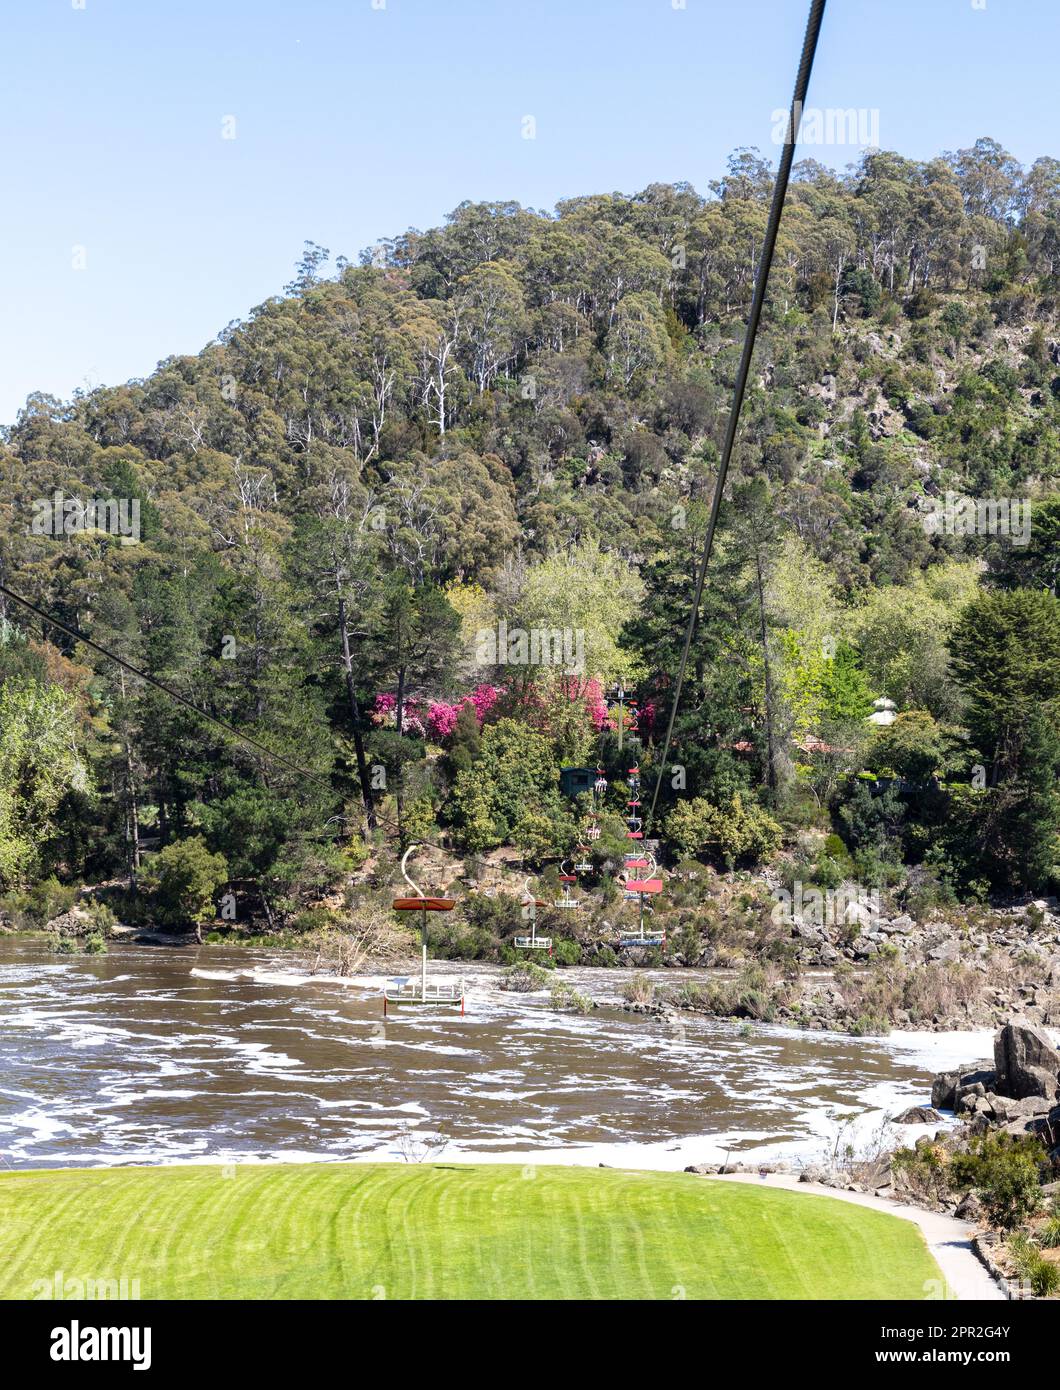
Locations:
column 155, row 1054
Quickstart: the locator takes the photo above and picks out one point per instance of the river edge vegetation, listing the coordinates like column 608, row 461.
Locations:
column 354, row 511
column 466, row 1231
column 996, row 1167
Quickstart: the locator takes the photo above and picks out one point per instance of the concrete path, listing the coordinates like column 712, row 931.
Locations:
column 949, row 1240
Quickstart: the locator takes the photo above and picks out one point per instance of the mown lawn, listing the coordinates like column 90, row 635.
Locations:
column 401, row 1231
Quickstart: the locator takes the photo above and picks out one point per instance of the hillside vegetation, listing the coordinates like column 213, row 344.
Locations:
column 351, row 513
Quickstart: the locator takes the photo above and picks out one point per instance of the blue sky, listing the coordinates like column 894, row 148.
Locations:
column 354, row 122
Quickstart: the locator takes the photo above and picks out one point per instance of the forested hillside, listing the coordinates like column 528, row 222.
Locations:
column 354, row 506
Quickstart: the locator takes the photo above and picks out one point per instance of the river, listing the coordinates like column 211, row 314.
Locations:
column 154, row 1054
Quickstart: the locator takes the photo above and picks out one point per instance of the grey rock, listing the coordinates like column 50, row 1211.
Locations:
column 75, row 922
column 970, row 1209
column 1026, row 1062
column 946, row 950
column 917, row 1115
column 968, row 1093
column 944, row 1089
column 1004, row 1108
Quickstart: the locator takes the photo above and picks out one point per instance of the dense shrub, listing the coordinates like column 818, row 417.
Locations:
column 737, row 833
column 184, row 879
column 1005, row 1171
column 35, row 907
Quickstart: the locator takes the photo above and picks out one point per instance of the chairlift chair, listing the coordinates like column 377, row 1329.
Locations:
column 411, row 991
column 642, row 888
column 567, row 900
column 533, row 942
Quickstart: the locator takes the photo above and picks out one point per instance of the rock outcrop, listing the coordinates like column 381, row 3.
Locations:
column 918, row 1115
column 1026, row 1063
column 1021, row 1095
column 76, row 922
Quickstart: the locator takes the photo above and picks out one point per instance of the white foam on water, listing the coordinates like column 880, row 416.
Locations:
column 940, row 1051
column 551, row 1076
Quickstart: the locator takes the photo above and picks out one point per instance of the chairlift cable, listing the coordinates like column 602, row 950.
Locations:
column 769, row 244
column 802, row 82
column 168, row 690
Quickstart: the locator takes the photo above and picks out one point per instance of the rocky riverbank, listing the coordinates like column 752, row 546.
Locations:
column 998, row 1169
column 839, row 961
column 968, row 969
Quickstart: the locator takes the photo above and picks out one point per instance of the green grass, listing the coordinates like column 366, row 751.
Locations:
column 402, row 1231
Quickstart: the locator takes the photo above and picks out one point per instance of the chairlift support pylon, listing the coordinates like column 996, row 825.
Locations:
column 633, row 820
column 450, row 992
column 533, row 942
column 639, row 889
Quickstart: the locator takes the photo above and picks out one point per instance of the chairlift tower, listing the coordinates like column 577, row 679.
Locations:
column 633, row 816
column 639, row 884
column 446, row 992
column 620, row 700
column 533, row 942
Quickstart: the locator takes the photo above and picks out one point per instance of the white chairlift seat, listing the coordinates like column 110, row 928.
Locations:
column 409, row 989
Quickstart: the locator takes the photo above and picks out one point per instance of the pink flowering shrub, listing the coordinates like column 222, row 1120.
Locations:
column 596, row 706
column 439, row 718
column 384, row 715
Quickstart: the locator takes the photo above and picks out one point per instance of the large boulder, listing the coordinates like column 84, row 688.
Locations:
column 944, row 1089
column 75, row 922
column 1026, row 1062
column 814, row 1173
column 1004, row 1109
column 917, row 1115
column 970, row 1209
column 954, row 1090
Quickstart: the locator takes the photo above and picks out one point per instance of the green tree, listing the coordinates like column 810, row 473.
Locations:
column 185, row 878
column 902, row 631
column 734, row 833
column 1035, row 565
column 915, row 747
column 1006, row 655
column 514, row 778
column 590, row 594
column 1005, row 1171
column 39, row 764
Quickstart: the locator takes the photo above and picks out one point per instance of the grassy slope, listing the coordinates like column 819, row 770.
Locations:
column 438, row 1231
